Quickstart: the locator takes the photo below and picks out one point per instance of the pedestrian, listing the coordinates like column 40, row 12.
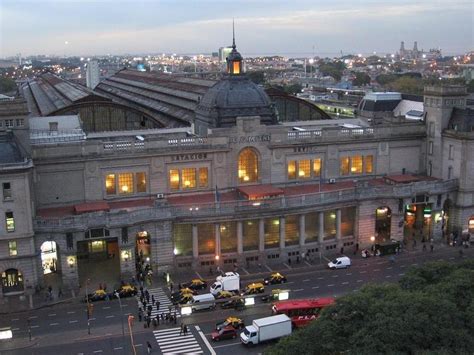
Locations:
column 289, row 261
column 155, row 323
column 431, row 247
column 157, row 305
column 162, row 317
column 185, row 330
column 181, row 330
column 461, row 253
column 171, row 286
column 140, row 314
column 148, row 321
column 424, row 246
column 342, row 250
column 153, row 299
column 175, row 318
column 357, row 247
column 148, row 346
column 60, row 293
column 157, row 319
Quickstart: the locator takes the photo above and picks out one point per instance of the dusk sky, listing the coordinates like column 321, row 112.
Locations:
column 262, row 27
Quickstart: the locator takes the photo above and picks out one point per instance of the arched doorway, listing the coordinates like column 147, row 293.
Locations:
column 445, row 213
column 49, row 257
column 383, row 222
column 143, row 245
column 248, row 166
column 12, row 281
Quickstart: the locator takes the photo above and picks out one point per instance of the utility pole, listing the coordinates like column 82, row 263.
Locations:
column 130, row 322
column 121, row 314
column 89, row 309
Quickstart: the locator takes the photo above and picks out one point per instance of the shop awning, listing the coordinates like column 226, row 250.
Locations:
column 255, row 192
column 91, row 207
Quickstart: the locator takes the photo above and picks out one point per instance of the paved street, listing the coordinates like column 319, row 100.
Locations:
column 62, row 326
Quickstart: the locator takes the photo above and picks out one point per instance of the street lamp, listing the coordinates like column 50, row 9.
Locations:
column 130, row 322
column 88, row 309
column 311, row 62
column 121, row 314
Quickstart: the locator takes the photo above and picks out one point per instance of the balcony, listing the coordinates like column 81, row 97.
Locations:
column 166, row 211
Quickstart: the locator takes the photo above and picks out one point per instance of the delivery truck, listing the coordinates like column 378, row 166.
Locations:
column 230, row 281
column 265, row 329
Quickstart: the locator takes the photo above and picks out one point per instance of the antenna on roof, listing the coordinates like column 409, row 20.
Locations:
column 233, row 34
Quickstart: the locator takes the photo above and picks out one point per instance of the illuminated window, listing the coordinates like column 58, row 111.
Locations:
column 110, row 188
column 471, row 225
column 97, row 246
column 304, row 169
column 356, row 164
column 369, row 164
column 248, row 166
column 292, row 170
column 7, row 191
column 188, row 178
column 140, row 179
column 345, row 166
column 174, row 179
column 10, row 221
column 317, row 167
column 12, row 248
column 125, row 183
column 203, row 177
column 236, row 67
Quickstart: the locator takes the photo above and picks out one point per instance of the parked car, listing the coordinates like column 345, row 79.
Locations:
column 225, row 333
column 275, row 278
column 97, row 295
column 342, row 262
column 234, row 322
column 235, row 302
column 254, row 288
column 175, row 296
column 196, row 284
column 185, row 298
column 126, row 291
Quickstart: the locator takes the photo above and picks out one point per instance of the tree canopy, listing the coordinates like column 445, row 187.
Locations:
column 361, row 79
column 333, row 69
column 7, row 85
column 431, row 310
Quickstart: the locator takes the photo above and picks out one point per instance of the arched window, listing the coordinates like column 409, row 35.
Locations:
column 248, row 166
column 12, row 281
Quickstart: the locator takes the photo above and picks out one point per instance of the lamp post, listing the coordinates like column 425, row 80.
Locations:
column 130, row 321
column 121, row 314
column 88, row 309
column 311, row 62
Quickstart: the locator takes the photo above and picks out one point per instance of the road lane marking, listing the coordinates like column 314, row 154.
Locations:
column 298, row 290
column 345, row 283
column 388, row 276
column 91, row 318
column 359, row 281
column 72, row 321
column 414, row 264
column 401, row 274
column 389, row 268
column 15, row 329
column 119, row 348
column 14, row 319
column 98, row 351
column 376, row 270
column 307, row 263
column 106, row 307
column 335, row 275
column 71, row 312
column 306, row 280
column 53, row 324
column 315, row 287
column 362, row 272
column 320, row 278
column 331, row 285
column 34, row 326
column 349, row 274
column 402, row 265
column 112, row 316
column 224, row 346
column 51, row 315
column 204, row 339
column 199, row 275
column 246, row 272
column 287, row 266
column 138, row 345
column 268, row 267
column 291, row 282
column 33, row 317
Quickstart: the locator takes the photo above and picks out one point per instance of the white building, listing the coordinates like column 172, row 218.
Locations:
column 92, row 74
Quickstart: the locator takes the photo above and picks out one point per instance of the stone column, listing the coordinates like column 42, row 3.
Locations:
column 240, row 238
column 217, row 232
column 195, row 242
column 302, row 229
column 282, row 233
column 261, row 235
column 321, row 228
column 338, row 225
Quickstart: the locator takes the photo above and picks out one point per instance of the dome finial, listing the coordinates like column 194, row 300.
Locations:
column 233, row 34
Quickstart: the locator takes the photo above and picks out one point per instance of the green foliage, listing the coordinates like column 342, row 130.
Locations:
column 258, row 77
column 430, row 312
column 7, row 85
column 407, row 85
column 333, row 69
column 292, row 89
column 361, row 79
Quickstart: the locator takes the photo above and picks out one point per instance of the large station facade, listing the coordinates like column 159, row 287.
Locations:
column 236, row 185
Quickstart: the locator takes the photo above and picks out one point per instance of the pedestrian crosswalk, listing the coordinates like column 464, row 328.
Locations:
column 171, row 341
column 165, row 303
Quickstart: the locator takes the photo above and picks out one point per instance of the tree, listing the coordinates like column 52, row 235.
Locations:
column 430, row 311
column 7, row 85
column 333, row 69
column 361, row 79
column 407, row 85
column 258, row 77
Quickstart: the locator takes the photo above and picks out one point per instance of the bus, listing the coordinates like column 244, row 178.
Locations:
column 302, row 312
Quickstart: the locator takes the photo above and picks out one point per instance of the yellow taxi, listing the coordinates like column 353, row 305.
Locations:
column 275, row 278
column 234, row 322
column 253, row 288
column 196, row 284
column 224, row 294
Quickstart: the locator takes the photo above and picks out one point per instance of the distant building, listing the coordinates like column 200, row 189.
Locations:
column 92, row 74
column 415, row 53
column 224, row 53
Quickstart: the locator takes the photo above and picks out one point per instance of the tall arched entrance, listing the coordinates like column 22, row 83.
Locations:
column 49, row 257
column 12, row 281
column 143, row 245
column 383, row 223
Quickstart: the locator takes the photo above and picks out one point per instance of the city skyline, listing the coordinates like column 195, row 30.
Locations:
column 302, row 27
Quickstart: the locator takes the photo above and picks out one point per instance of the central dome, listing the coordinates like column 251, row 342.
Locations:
column 234, row 96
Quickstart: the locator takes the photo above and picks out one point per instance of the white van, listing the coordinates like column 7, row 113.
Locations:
column 340, row 263
column 204, row 301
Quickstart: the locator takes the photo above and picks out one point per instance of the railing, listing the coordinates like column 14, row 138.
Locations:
column 231, row 208
column 187, row 141
column 40, row 136
column 123, row 145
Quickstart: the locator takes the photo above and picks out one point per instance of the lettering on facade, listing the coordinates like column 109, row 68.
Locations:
column 304, row 149
column 250, row 139
column 194, row 156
